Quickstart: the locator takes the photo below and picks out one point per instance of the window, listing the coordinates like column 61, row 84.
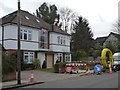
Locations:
column 59, row 57
column 43, row 39
column 26, row 35
column 27, row 17
column 64, row 40
column 37, row 20
column 61, row 40
column 28, row 57
column 29, row 35
column 67, row 57
column 58, row 39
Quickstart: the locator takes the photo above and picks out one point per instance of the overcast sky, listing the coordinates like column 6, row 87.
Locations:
column 101, row 14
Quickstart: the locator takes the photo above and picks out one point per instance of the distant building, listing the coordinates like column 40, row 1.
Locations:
column 114, row 38
column 39, row 39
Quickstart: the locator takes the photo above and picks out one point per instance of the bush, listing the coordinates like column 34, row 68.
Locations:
column 27, row 66
column 56, row 67
column 8, row 64
column 59, row 67
column 37, row 64
column 8, row 67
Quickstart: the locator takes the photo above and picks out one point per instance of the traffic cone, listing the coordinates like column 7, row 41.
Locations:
column 31, row 79
column 110, row 69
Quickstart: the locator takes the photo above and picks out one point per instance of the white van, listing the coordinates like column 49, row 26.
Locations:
column 116, row 57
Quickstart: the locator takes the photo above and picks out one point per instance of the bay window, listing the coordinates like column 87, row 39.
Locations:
column 43, row 39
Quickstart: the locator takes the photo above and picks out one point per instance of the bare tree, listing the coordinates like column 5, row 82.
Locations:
column 116, row 27
column 67, row 17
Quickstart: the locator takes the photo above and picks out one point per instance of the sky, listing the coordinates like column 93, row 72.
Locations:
column 101, row 14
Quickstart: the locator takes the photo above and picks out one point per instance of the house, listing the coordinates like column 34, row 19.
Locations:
column 101, row 40
column 40, row 40
column 114, row 38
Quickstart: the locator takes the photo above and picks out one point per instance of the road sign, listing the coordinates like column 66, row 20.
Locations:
column 97, row 68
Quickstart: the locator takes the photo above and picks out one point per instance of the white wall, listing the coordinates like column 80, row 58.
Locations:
column 41, row 57
column 0, row 34
column 55, row 58
column 10, row 32
column 54, row 46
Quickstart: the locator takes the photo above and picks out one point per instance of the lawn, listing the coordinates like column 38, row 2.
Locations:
column 48, row 70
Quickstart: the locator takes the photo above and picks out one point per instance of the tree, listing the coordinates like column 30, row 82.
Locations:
column 97, row 50
column 82, row 39
column 116, row 27
column 48, row 13
column 112, row 46
column 67, row 17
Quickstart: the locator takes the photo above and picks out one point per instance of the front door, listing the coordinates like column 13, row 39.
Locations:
column 49, row 60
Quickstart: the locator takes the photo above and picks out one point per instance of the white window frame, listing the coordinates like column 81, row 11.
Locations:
column 43, row 39
column 28, row 33
column 61, row 40
column 30, row 57
column 67, row 57
column 60, row 57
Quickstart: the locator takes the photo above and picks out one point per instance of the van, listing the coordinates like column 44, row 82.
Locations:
column 116, row 57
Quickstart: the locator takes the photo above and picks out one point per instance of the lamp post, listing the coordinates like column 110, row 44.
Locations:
column 18, row 51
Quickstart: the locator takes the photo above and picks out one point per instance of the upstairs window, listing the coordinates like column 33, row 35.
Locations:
column 26, row 17
column 43, row 39
column 37, row 20
column 61, row 40
column 26, row 35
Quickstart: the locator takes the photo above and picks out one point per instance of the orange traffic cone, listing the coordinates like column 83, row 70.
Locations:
column 32, row 79
column 110, row 69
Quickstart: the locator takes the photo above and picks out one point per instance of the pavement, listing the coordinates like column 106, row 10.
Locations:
column 40, row 77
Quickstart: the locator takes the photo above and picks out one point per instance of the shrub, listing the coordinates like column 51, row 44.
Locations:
column 37, row 64
column 56, row 67
column 8, row 64
column 59, row 67
column 27, row 66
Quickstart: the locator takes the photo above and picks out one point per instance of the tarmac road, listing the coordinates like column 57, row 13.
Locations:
column 93, row 81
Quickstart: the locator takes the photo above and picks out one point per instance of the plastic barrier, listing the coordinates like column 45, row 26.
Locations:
column 75, row 64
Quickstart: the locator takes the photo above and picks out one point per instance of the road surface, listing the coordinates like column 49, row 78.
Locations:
column 93, row 81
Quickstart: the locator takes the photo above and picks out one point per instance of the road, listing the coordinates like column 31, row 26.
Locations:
column 93, row 81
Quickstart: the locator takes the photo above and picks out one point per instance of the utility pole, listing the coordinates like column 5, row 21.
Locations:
column 18, row 51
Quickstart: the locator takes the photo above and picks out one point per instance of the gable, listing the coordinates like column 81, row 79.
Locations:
column 111, row 38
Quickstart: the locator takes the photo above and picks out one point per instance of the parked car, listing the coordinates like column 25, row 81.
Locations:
column 116, row 65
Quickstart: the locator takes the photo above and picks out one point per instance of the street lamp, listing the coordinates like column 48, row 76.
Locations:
column 18, row 48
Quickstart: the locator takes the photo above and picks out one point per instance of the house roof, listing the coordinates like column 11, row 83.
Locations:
column 101, row 40
column 115, row 34
column 58, row 30
column 27, row 19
